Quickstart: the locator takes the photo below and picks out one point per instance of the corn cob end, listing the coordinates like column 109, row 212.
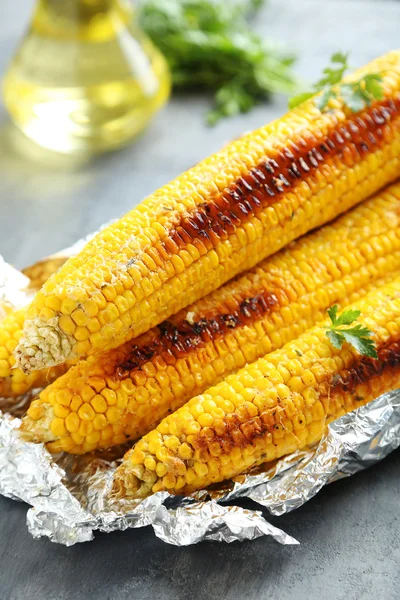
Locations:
column 43, row 345
column 128, row 483
column 36, row 424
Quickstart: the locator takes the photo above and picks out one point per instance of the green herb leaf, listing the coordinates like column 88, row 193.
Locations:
column 209, row 45
column 332, row 312
column 323, row 100
column 373, row 86
column 356, row 95
column 340, row 57
column 357, row 336
column 335, row 338
column 346, row 318
column 362, row 343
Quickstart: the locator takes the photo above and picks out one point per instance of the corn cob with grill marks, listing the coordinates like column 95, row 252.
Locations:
column 215, row 221
column 124, row 393
column 268, row 409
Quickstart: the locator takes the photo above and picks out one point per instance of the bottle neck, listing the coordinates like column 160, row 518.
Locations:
column 83, row 10
column 66, row 18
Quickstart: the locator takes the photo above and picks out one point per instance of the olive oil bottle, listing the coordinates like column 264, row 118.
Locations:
column 85, row 78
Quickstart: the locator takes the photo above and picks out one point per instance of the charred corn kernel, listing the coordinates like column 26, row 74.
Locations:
column 280, row 181
column 160, row 371
column 248, row 443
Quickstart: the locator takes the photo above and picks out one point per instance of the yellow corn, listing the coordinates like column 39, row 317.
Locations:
column 124, row 393
column 215, row 221
column 268, row 409
column 13, row 382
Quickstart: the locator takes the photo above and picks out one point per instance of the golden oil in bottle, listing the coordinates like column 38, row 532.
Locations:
column 85, row 79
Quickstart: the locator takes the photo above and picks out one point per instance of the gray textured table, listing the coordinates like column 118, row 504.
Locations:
column 349, row 533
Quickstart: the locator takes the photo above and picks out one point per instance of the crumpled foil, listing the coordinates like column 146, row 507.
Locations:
column 68, row 495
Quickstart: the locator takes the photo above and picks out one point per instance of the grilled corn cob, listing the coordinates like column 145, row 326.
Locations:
column 268, row 409
column 124, row 393
column 215, row 221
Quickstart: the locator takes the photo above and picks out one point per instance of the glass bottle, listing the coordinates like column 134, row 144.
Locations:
column 85, row 78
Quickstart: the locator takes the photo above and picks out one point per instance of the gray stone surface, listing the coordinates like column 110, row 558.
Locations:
column 349, row 533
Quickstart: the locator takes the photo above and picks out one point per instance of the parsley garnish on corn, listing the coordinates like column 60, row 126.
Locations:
column 355, row 94
column 357, row 336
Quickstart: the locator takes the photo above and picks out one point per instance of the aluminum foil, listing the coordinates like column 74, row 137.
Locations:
column 69, row 495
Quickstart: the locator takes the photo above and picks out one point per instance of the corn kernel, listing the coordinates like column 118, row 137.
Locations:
column 172, row 442
column 76, row 402
column 110, row 396
column 90, row 307
column 36, row 411
column 81, row 334
column 67, row 306
column 201, row 469
column 61, row 411
column 86, row 412
column 205, row 420
column 150, row 463
column 113, row 414
column 4, row 368
column 80, row 317
column 161, row 470
column 99, row 422
column 58, row 427
column 99, row 404
column 169, row 481
column 72, row 423
column 64, row 397
column 67, row 325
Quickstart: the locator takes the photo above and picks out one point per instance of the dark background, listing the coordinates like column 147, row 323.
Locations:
column 350, row 532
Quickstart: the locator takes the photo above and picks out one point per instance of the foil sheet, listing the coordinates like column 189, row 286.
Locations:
column 68, row 495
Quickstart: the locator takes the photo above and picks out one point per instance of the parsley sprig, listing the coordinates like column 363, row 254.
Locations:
column 210, row 45
column 356, row 95
column 357, row 336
